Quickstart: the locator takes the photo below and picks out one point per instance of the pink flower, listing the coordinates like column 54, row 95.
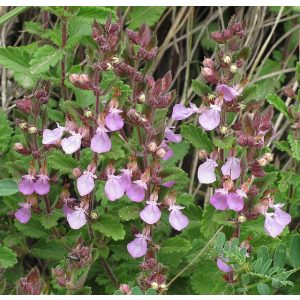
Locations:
column 281, row 217
column 136, row 191
column 66, row 209
column 77, row 218
column 72, row 143
column 210, row 118
column 229, row 93
column 100, row 142
column 26, row 185
column 219, row 200
column 222, row 266
column 206, row 171
column 42, row 186
column 151, row 213
column 85, row 183
column 125, row 179
column 177, row 220
column 52, row 136
column 169, row 184
column 113, row 188
column 232, row 168
column 138, row 247
column 180, row 112
column 169, row 152
column 23, row 214
column 171, row 136
column 235, row 201
column 113, row 120
column 272, row 228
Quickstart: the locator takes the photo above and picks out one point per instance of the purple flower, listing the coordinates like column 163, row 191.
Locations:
column 206, row 171
column 72, row 143
column 177, row 220
column 222, row 266
column 219, row 199
column 66, row 209
column 210, row 118
column 171, row 136
column 281, row 217
column 136, row 191
column 85, row 183
column 125, row 179
column 23, row 214
column 113, row 120
column 26, row 185
column 235, row 201
column 229, row 93
column 42, row 186
column 169, row 184
column 77, row 218
column 100, row 142
column 169, row 151
column 138, row 247
column 113, row 188
column 52, row 136
column 151, row 213
column 232, row 168
column 180, row 112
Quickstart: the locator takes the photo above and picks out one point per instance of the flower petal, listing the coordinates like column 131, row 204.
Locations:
column 71, row 144
column 232, row 168
column 23, row 214
column 222, row 266
column 77, row 219
column 113, row 188
column 180, row 112
column 210, row 119
column 85, row 184
column 228, row 92
column 150, row 214
column 206, row 172
column 235, row 202
column 114, row 121
column 100, row 142
column 178, row 220
column 138, row 247
column 219, row 201
column 42, row 186
column 135, row 193
column 26, row 185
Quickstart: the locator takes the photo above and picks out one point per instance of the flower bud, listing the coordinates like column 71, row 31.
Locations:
column 32, row 130
column 76, row 172
column 94, row 215
column 125, row 289
column 268, row 157
column 208, row 63
column 202, row 154
column 154, row 285
column 227, row 59
column 23, row 126
column 18, row 147
column 288, row 91
column 242, row 219
column 163, row 286
column 116, row 60
column 88, row 114
column 262, row 161
column 224, row 130
column 161, row 153
column 233, row 68
column 207, row 72
column 142, row 98
column 152, row 146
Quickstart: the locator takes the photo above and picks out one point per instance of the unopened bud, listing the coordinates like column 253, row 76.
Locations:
column 163, row 286
column 224, row 130
column 242, row 219
column 288, row 91
column 268, row 157
column 116, row 60
column 32, row 130
column 154, row 285
column 74, row 78
column 211, row 97
column 125, row 289
column 23, row 126
column 227, row 59
column 161, row 153
column 142, row 98
column 202, row 154
column 88, row 114
column 262, row 161
column 152, row 147
column 18, row 147
column 207, row 72
column 109, row 67
column 94, row 215
column 208, row 63
column 76, row 172
column 233, row 68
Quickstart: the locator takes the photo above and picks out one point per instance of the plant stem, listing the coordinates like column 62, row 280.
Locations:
column 63, row 61
column 109, row 272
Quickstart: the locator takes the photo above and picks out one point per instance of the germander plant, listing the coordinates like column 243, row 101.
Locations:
column 100, row 196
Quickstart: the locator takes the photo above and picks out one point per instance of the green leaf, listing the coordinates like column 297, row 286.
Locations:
column 8, row 187
column 225, row 143
column 278, row 103
column 14, row 58
column 263, row 289
column 280, row 256
column 295, row 147
column 197, row 137
column 283, row 146
column 144, row 14
column 295, row 251
column 136, row 291
column 5, row 130
column 128, row 213
column 151, row 292
column 52, row 250
column 62, row 162
column 32, row 229
column 50, row 220
column 298, row 73
column 45, row 57
column 174, row 173
column 8, row 258
column 250, row 93
column 200, row 88
column 220, row 241
column 110, row 226
column 12, row 13
column 175, row 245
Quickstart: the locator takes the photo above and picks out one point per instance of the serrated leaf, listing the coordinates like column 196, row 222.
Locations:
column 197, row 137
column 8, row 258
column 50, row 220
column 14, row 58
column 32, row 229
column 52, row 250
column 250, row 93
column 263, row 289
column 295, row 251
column 220, row 241
column 174, row 174
column 278, row 103
column 175, row 245
column 62, row 162
column 200, row 88
column 280, row 256
column 8, row 187
column 283, row 146
column 110, row 226
column 44, row 58
column 225, row 143
column 295, row 147
column 128, row 213
column 5, row 130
